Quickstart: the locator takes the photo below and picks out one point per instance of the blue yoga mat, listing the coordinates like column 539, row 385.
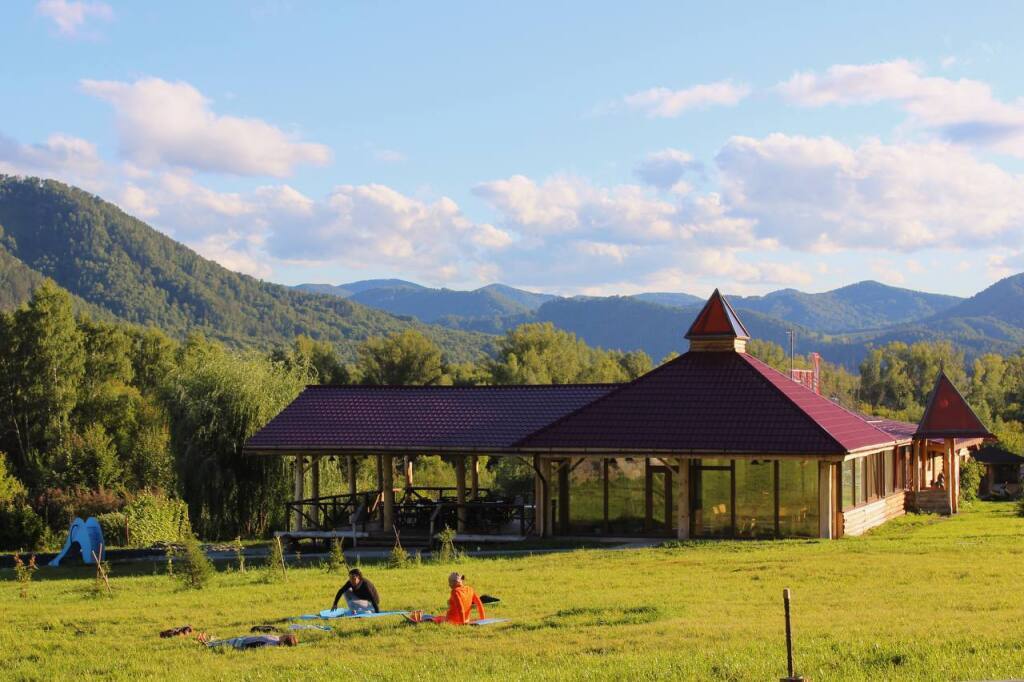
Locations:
column 490, row 621
column 345, row 613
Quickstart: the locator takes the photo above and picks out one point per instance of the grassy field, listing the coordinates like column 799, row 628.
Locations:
column 921, row 598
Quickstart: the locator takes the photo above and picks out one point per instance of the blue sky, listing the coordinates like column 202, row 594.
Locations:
column 571, row 147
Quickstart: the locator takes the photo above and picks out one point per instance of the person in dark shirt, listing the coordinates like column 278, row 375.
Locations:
column 359, row 593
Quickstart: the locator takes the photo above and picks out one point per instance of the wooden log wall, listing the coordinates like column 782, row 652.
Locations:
column 858, row 521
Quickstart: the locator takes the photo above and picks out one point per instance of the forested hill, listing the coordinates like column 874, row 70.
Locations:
column 119, row 264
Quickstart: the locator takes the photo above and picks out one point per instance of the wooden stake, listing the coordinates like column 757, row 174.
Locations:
column 791, row 677
column 101, row 573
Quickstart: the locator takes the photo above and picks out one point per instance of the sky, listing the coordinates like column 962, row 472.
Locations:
column 571, row 147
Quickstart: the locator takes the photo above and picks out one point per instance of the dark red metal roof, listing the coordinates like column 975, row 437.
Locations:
column 948, row 415
column 717, row 320
column 714, row 402
column 367, row 418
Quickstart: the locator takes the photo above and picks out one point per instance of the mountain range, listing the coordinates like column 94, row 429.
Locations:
column 841, row 324
column 115, row 266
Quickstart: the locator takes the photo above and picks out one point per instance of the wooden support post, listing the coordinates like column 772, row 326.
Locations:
column 826, row 504
column 947, row 466
column 314, row 463
column 549, row 509
column 351, row 475
column 388, row 500
column 563, row 496
column 683, row 500
column 667, row 492
column 605, row 465
column 299, row 474
column 648, row 495
column 474, row 477
column 408, row 471
column 380, row 472
column 460, row 492
column 539, row 498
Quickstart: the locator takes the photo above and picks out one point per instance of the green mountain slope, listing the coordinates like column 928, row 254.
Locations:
column 860, row 306
column 119, row 264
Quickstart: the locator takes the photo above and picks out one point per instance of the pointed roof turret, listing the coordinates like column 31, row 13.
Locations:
column 948, row 415
column 717, row 327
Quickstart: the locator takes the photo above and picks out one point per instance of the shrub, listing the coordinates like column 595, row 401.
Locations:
column 399, row 558
column 20, row 527
column 58, row 506
column 971, row 472
column 115, row 528
column 447, row 552
column 336, row 559
column 197, row 570
column 1020, row 506
column 276, row 569
column 23, row 573
column 152, row 518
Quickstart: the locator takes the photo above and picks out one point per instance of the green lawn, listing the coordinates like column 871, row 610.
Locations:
column 921, row 598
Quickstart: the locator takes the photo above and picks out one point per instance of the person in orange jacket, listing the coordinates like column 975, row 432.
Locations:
column 460, row 604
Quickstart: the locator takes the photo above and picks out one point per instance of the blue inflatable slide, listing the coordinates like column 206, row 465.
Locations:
column 88, row 536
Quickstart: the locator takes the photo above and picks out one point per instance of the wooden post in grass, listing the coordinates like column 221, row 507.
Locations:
column 791, row 676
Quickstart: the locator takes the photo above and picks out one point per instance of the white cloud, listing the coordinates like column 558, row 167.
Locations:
column 962, row 111
column 817, row 193
column 70, row 16
column 666, row 168
column 170, row 124
column 668, row 103
column 63, row 156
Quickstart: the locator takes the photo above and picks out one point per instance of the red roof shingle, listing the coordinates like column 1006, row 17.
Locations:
column 472, row 418
column 948, row 415
column 714, row 402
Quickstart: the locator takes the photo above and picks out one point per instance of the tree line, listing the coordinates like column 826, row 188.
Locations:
column 95, row 412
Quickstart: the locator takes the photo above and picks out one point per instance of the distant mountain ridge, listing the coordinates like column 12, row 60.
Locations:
column 841, row 323
column 119, row 265
column 116, row 266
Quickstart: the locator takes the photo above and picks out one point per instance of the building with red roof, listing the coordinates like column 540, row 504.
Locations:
column 714, row 443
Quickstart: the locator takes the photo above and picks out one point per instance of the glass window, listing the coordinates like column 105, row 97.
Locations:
column 625, row 495
column 858, row 478
column 798, row 498
column 871, row 477
column 755, row 498
column 713, row 506
column 848, row 484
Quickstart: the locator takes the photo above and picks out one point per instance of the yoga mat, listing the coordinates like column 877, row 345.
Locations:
column 490, row 621
column 346, row 614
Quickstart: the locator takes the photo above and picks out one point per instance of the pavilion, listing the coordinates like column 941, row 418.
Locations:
column 714, row 443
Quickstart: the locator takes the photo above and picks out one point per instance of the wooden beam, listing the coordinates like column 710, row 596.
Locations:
column 563, row 499
column 539, row 495
column 407, row 467
column 460, row 492
column 826, row 499
column 667, row 492
column 351, row 475
column 648, row 494
column 605, row 465
column 299, row 475
column 683, row 500
column 474, row 477
column 388, row 499
column 315, row 482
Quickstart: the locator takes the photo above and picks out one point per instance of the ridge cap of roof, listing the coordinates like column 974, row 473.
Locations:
column 751, row 360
